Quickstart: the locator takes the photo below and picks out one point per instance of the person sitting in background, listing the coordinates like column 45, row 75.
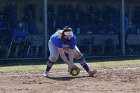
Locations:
column 20, row 33
column 126, row 20
column 21, row 37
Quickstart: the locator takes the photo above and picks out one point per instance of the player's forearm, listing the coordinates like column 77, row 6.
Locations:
column 71, row 55
column 64, row 58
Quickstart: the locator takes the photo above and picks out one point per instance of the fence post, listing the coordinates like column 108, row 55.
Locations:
column 45, row 27
column 123, row 27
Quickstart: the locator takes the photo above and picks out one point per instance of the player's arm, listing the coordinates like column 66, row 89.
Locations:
column 71, row 54
column 72, row 48
column 63, row 56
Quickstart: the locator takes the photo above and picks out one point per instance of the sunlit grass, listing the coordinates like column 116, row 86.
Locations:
column 21, row 68
column 108, row 64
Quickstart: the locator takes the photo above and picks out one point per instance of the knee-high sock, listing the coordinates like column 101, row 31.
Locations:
column 83, row 63
column 49, row 65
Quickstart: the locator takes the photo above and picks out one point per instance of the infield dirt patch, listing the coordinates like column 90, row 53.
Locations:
column 108, row 80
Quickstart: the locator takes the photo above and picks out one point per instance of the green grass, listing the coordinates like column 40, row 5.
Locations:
column 108, row 64
column 21, row 68
column 112, row 64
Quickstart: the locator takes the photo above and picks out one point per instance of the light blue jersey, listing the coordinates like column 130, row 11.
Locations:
column 62, row 43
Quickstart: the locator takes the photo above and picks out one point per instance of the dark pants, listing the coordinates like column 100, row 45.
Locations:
column 119, row 39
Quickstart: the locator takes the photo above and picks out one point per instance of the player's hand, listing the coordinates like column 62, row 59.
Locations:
column 76, row 67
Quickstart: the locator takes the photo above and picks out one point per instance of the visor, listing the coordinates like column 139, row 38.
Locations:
column 68, row 33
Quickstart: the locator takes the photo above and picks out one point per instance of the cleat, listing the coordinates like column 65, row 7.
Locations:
column 46, row 74
column 92, row 73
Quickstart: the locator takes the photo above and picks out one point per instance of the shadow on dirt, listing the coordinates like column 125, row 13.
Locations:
column 65, row 78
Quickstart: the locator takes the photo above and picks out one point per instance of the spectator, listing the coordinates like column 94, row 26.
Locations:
column 20, row 33
column 126, row 32
column 117, row 29
column 21, row 38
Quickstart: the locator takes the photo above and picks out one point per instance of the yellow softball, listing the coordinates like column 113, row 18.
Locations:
column 74, row 72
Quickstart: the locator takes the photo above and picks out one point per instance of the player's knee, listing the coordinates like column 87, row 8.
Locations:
column 53, row 58
column 79, row 55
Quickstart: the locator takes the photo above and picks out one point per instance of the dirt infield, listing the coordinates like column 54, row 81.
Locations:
column 108, row 80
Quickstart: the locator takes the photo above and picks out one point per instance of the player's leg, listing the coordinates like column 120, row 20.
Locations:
column 70, row 65
column 80, row 58
column 52, row 58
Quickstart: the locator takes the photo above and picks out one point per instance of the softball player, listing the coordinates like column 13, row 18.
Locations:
column 61, row 42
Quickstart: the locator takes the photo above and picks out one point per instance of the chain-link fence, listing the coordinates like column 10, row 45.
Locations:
column 21, row 29
column 97, row 25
